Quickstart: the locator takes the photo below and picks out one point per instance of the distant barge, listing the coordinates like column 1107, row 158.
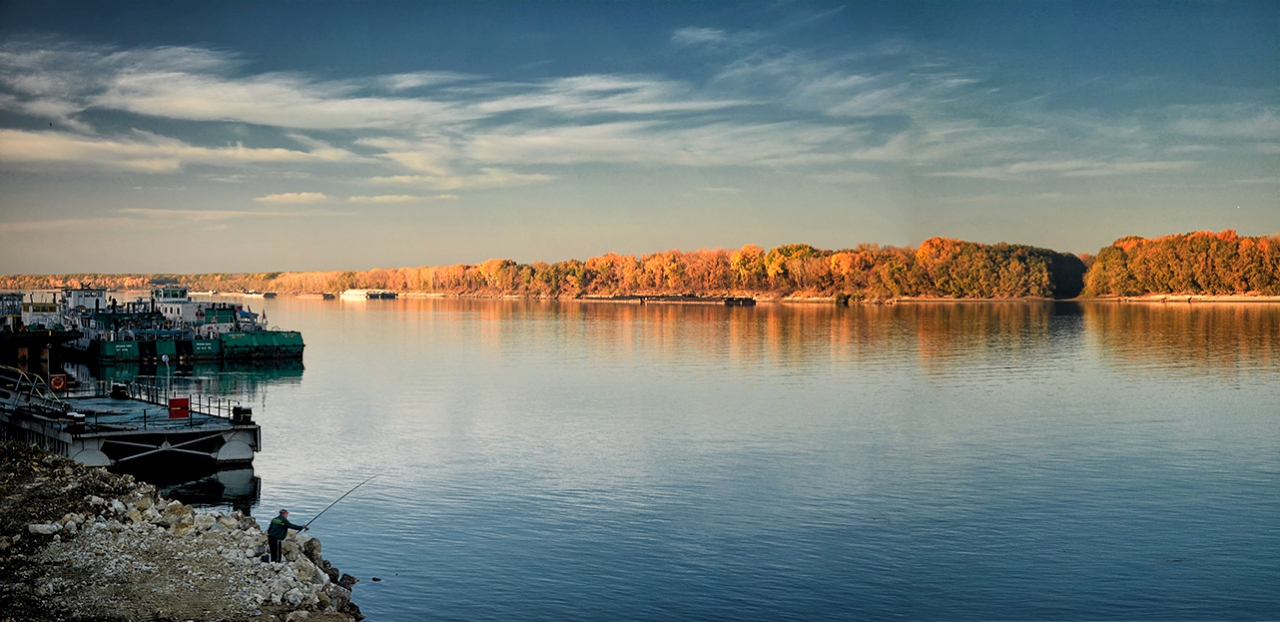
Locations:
column 118, row 424
column 719, row 301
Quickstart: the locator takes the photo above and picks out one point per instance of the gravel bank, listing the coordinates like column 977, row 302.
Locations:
column 79, row 543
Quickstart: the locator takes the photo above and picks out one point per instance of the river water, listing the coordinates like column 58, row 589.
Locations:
column 580, row 461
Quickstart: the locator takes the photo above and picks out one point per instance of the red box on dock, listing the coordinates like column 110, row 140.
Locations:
column 179, row 407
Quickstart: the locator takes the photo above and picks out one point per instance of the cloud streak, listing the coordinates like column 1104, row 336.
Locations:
column 1029, row 170
column 145, row 152
column 201, row 215
column 439, row 129
column 388, row 198
column 838, row 119
column 486, row 178
column 293, row 198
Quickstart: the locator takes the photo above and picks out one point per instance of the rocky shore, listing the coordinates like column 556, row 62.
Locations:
column 80, row 543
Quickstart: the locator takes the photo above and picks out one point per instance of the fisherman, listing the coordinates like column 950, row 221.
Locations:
column 277, row 532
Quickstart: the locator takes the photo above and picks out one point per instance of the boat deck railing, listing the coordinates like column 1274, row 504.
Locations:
column 107, row 406
column 154, row 394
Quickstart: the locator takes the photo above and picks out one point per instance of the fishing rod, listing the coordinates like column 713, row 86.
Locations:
column 339, row 499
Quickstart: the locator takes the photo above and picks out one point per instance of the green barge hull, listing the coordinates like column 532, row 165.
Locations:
column 264, row 344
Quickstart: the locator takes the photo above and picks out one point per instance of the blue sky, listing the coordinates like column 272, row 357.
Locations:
column 197, row 137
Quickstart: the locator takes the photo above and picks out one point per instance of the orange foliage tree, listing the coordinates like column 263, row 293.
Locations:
column 1200, row 262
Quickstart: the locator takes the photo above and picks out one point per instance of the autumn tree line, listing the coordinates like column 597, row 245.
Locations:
column 1196, row 263
column 1192, row 263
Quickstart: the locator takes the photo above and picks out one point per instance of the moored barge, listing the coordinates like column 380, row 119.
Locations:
column 686, row 299
column 171, row 325
column 115, row 424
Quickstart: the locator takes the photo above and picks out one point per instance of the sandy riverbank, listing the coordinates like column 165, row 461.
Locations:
column 1186, row 298
column 80, row 543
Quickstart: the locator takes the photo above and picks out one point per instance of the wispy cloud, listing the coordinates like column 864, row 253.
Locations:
column 408, row 81
column 451, row 115
column 144, row 152
column 1227, row 121
column 715, row 39
column 607, row 94
column 387, row 198
column 486, row 178
column 201, row 215
column 833, row 118
column 293, row 198
column 64, row 224
column 140, row 218
column 697, row 36
column 833, row 86
column 1028, row 170
column 845, row 177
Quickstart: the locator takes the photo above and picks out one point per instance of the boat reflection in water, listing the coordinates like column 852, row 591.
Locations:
column 238, row 489
column 213, row 377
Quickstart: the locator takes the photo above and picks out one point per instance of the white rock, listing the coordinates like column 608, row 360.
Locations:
column 44, row 528
column 293, row 596
column 117, row 507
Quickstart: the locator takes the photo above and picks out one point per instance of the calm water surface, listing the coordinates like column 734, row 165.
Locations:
column 567, row 461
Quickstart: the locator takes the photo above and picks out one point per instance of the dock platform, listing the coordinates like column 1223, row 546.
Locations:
column 111, row 424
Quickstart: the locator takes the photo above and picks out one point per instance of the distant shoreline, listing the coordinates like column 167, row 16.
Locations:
column 1147, row 299
column 939, row 270
column 1186, row 298
column 770, row 298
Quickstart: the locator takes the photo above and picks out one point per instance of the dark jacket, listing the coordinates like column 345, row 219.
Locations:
column 280, row 527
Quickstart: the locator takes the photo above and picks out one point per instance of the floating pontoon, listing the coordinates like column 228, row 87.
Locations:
column 110, row 424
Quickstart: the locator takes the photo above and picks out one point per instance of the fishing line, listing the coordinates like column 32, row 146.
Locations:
column 353, row 489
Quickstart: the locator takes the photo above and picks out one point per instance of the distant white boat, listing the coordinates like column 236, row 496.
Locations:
column 368, row 294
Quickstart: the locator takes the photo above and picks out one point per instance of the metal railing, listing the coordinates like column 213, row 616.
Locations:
column 200, row 404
